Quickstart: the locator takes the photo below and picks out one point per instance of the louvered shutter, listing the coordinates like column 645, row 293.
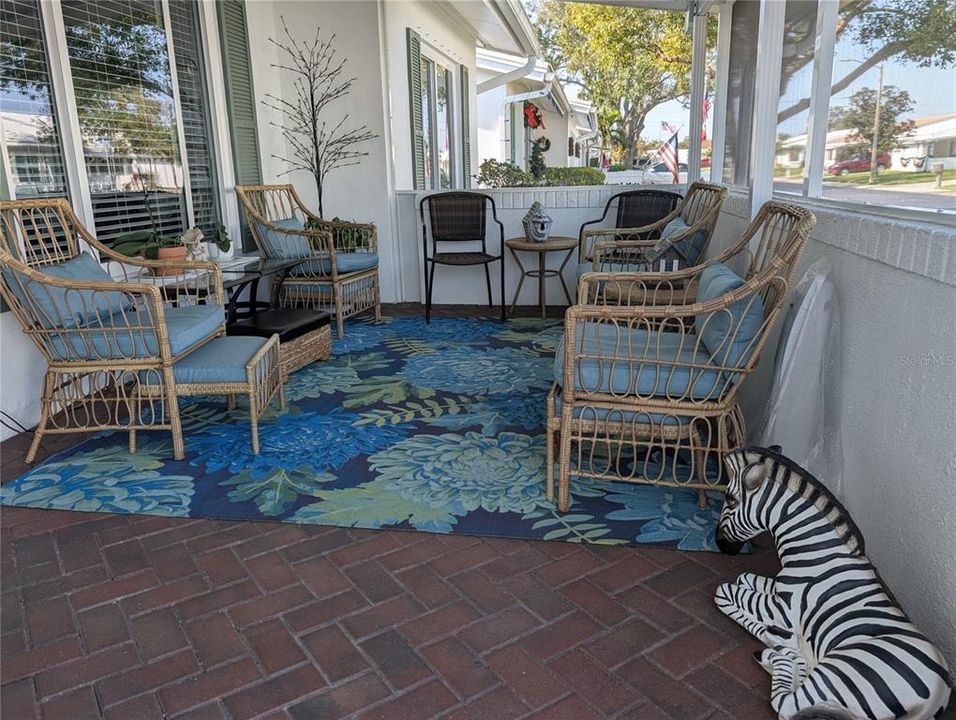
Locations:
column 197, row 126
column 237, row 71
column 415, row 108
column 465, row 126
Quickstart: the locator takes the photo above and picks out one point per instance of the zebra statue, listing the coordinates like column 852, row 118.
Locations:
column 835, row 638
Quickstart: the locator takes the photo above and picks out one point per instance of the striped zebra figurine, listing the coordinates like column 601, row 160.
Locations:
column 834, row 635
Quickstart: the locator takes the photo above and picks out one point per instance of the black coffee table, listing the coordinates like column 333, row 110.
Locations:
column 236, row 277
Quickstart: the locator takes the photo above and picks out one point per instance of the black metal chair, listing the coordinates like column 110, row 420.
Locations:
column 635, row 209
column 459, row 218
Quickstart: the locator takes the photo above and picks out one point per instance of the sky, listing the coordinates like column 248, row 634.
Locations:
column 933, row 91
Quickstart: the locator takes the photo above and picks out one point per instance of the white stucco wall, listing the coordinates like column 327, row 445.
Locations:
column 891, row 397
column 21, row 375
column 360, row 192
column 440, row 35
column 490, row 121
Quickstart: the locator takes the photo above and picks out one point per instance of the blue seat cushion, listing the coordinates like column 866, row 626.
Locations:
column 344, row 263
column 278, row 244
column 222, row 360
column 688, row 250
column 58, row 307
column 125, row 338
column 639, row 376
column 627, row 416
column 729, row 334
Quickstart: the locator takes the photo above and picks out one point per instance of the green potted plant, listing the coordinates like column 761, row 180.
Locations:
column 220, row 242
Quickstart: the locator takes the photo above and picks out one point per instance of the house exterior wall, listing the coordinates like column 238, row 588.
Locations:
column 489, row 117
column 378, row 98
column 439, row 33
column 359, row 192
column 556, row 130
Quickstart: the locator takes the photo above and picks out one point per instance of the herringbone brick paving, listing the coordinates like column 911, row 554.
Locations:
column 137, row 617
column 144, row 617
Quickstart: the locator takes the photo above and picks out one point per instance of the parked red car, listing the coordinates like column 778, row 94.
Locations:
column 845, row 167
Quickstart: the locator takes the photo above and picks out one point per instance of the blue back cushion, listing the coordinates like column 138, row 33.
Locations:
column 279, row 245
column 688, row 249
column 728, row 334
column 65, row 307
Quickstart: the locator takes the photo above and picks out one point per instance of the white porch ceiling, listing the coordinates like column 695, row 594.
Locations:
column 497, row 24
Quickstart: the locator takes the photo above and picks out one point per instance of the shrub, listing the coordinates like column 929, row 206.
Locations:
column 496, row 174
column 536, row 163
column 567, row 176
column 617, row 167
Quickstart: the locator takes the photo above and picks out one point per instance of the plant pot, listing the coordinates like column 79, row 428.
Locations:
column 175, row 252
column 212, row 250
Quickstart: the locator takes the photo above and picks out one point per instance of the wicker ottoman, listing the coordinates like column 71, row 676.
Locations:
column 233, row 366
column 305, row 336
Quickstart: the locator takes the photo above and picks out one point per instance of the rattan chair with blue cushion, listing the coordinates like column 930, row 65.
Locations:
column 648, row 393
column 108, row 327
column 675, row 241
column 339, row 272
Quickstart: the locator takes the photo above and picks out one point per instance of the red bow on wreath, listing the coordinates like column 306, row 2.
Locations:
column 532, row 117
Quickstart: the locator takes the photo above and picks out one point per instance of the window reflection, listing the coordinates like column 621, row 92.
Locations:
column 30, row 128
column 124, row 98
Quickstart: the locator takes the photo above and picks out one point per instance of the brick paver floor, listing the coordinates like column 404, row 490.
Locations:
column 143, row 617
column 138, row 617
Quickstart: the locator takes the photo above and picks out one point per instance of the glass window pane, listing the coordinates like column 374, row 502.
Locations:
column 443, row 127
column 197, row 125
column 904, row 60
column 124, row 98
column 427, row 104
column 796, row 74
column 740, row 92
column 30, row 128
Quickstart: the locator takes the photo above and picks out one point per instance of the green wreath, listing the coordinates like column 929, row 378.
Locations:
column 543, row 143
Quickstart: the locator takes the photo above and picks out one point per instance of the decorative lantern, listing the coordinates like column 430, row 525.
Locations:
column 537, row 225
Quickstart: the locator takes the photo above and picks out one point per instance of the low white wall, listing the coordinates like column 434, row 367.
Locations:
column 568, row 208
column 891, row 396
column 21, row 375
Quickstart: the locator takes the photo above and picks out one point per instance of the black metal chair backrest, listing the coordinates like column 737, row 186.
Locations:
column 457, row 216
column 637, row 208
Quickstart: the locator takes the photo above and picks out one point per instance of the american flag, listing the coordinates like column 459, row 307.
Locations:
column 706, row 114
column 668, row 155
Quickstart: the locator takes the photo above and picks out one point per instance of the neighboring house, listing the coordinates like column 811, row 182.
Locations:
column 505, row 84
column 933, row 139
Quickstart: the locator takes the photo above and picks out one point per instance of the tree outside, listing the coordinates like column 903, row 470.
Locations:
column 859, row 115
column 626, row 60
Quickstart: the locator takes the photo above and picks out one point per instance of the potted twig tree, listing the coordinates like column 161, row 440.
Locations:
column 318, row 145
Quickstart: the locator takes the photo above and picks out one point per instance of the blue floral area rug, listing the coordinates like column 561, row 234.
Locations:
column 437, row 428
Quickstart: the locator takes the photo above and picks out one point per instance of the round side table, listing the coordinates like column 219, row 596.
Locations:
column 555, row 243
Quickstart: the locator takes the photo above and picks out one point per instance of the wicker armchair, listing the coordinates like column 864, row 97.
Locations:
column 111, row 332
column 635, row 208
column 649, row 393
column 339, row 272
column 677, row 240
column 769, row 235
